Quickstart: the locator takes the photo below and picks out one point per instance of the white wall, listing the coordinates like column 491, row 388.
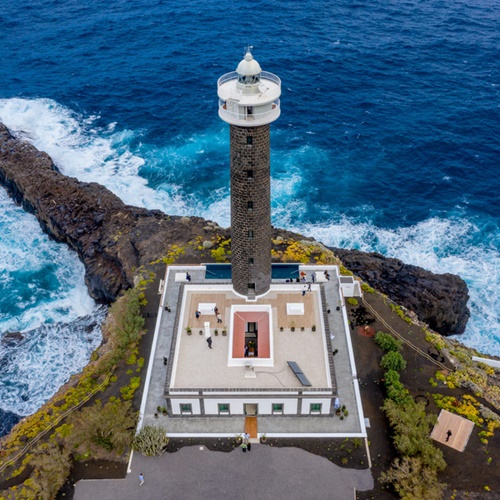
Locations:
column 325, row 405
column 237, row 406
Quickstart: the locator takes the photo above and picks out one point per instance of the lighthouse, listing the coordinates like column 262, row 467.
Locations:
column 249, row 102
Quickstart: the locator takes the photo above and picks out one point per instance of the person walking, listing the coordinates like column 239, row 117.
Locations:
column 188, row 276
column 197, row 314
column 244, row 447
column 209, row 342
column 216, row 311
column 304, row 290
column 141, row 479
column 219, row 318
column 448, row 435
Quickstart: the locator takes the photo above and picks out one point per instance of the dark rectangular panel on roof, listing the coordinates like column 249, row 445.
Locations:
column 298, row 373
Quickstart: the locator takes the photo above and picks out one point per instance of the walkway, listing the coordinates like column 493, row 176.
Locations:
column 264, row 473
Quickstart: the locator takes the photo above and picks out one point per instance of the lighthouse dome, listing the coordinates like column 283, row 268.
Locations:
column 248, row 66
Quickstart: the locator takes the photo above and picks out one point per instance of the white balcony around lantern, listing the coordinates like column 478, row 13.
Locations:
column 249, row 105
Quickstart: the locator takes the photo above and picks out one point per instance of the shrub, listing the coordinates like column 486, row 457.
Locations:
column 387, row 342
column 352, row 301
column 393, row 361
column 396, row 391
column 150, row 441
column 110, row 426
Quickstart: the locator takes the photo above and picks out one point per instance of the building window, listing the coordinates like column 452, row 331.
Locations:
column 250, row 205
column 315, row 408
column 250, row 261
column 278, row 408
column 223, row 409
column 249, row 174
column 186, row 409
column 250, row 234
column 249, row 139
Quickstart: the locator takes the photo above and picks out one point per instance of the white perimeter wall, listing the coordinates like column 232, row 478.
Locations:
column 264, row 405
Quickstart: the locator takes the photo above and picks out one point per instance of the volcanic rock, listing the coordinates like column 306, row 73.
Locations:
column 440, row 300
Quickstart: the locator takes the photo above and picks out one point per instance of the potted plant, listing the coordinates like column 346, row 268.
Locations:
column 263, row 438
column 188, row 330
column 302, row 328
column 224, row 331
column 281, row 328
column 216, row 332
column 201, row 332
column 313, row 328
column 292, row 327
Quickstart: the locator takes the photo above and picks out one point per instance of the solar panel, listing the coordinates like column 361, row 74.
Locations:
column 299, row 374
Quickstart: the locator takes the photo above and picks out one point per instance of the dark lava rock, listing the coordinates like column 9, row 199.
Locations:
column 112, row 239
column 440, row 300
column 12, row 338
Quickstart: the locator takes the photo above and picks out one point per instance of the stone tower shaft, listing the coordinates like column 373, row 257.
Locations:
column 249, row 102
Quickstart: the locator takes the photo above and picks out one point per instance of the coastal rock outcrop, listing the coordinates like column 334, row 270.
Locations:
column 440, row 300
column 113, row 239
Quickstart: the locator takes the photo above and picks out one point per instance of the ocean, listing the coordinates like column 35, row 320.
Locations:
column 388, row 141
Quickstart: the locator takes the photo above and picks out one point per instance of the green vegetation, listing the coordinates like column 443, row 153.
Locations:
column 393, row 361
column 387, row 342
column 222, row 252
column 150, row 441
column 304, row 251
column 352, row 301
column 414, row 474
column 108, row 426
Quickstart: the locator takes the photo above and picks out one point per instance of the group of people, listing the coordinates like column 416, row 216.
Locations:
column 245, row 443
column 250, row 349
column 216, row 311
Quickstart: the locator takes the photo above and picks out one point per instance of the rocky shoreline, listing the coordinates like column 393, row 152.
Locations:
column 113, row 239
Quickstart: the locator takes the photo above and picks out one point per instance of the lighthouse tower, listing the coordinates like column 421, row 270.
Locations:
column 249, row 102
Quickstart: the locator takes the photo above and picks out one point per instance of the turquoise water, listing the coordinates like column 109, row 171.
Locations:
column 388, row 141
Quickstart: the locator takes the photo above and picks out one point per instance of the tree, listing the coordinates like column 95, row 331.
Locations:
column 393, row 361
column 411, row 432
column 412, row 480
column 110, row 426
column 387, row 342
column 51, row 464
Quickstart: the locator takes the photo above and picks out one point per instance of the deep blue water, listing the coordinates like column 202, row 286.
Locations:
column 388, row 139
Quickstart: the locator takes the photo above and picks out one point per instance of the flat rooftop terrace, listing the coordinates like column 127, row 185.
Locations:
column 196, row 366
column 334, row 327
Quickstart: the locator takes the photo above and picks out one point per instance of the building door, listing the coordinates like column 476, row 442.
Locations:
column 250, row 409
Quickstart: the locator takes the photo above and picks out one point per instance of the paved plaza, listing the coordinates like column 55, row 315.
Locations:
column 264, row 473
